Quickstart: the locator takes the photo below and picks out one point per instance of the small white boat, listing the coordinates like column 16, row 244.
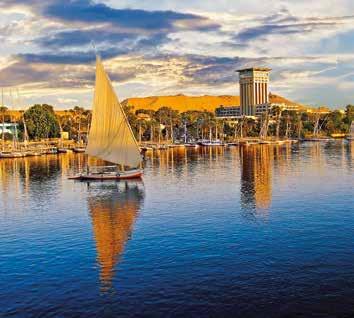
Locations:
column 51, row 151
column 11, row 154
column 191, row 145
column 32, row 153
column 316, row 139
column 79, row 149
column 211, row 143
column 265, row 142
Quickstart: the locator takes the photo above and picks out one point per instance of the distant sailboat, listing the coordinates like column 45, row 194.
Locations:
column 351, row 132
column 111, row 137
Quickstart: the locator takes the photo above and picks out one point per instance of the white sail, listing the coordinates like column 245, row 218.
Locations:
column 111, row 137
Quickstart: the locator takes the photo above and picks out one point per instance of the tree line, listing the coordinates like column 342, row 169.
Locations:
column 166, row 124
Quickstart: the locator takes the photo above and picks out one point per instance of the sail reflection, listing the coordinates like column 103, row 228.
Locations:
column 113, row 209
column 256, row 177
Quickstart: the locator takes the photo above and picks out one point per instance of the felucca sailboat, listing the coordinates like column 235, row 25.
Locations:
column 111, row 137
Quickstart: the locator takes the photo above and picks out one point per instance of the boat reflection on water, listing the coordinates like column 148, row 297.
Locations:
column 113, row 209
column 256, row 178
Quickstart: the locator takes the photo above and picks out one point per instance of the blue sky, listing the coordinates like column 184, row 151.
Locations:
column 170, row 47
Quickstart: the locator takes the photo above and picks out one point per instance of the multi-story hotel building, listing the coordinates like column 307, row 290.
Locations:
column 254, row 90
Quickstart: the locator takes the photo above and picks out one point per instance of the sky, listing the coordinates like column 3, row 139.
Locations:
column 169, row 47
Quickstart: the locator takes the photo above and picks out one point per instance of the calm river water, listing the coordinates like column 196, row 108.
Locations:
column 258, row 231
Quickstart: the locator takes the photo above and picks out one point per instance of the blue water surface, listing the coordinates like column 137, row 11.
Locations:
column 258, row 231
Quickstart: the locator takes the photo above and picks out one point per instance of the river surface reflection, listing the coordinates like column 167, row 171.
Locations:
column 258, row 231
column 113, row 209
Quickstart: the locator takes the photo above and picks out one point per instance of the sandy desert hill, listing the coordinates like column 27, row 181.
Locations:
column 183, row 103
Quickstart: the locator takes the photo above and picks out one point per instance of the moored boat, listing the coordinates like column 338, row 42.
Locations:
column 316, row 139
column 32, row 153
column 11, row 154
column 210, row 143
column 191, row 145
column 79, row 149
column 249, row 143
column 265, row 142
column 51, row 151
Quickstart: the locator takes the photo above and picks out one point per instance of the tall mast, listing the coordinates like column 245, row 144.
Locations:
column 315, row 128
column 3, row 120
column 264, row 128
column 25, row 133
column 185, row 132
column 287, row 127
column 14, row 139
column 299, row 127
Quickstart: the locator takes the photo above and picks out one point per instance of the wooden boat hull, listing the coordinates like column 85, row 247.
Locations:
column 204, row 144
column 78, row 150
column 136, row 174
column 11, row 155
column 32, row 153
column 318, row 139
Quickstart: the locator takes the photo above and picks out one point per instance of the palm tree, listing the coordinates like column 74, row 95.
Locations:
column 219, row 129
column 299, row 125
column 77, row 114
column 277, row 112
column 250, row 127
column 142, row 125
column 175, row 120
column 153, row 123
column 167, row 117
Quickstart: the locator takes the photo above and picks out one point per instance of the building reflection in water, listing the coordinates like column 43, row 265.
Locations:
column 113, row 209
column 256, row 177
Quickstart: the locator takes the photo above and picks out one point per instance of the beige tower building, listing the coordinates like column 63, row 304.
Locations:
column 254, row 90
